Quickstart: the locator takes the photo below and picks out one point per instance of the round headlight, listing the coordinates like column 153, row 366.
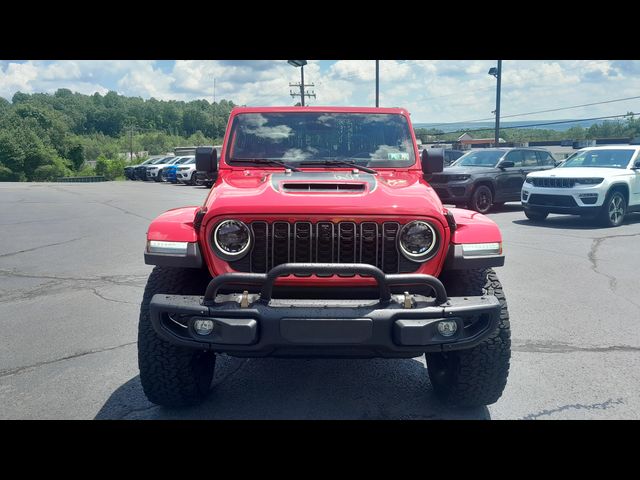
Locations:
column 418, row 241
column 232, row 239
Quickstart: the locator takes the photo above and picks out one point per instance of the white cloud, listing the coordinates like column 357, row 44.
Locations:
column 433, row 91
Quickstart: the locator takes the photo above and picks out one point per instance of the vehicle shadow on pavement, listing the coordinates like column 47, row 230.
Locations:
column 273, row 388
column 506, row 208
column 574, row 222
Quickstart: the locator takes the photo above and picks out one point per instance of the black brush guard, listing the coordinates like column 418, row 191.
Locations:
column 255, row 325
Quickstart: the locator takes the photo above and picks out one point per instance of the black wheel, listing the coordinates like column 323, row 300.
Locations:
column 172, row 376
column 613, row 209
column 475, row 376
column 481, row 199
column 536, row 216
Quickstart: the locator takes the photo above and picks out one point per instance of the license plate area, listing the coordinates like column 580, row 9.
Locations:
column 316, row 331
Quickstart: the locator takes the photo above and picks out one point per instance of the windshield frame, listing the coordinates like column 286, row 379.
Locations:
column 412, row 162
column 578, row 154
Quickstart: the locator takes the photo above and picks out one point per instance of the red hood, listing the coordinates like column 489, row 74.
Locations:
column 261, row 192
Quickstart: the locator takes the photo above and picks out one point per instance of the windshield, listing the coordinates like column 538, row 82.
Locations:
column 376, row 140
column 480, row 158
column 159, row 160
column 599, row 158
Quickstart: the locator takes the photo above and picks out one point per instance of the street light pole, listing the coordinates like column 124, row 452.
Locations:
column 302, row 85
column 499, row 77
column 377, row 83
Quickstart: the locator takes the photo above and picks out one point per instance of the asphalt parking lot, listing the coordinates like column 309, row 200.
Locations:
column 72, row 276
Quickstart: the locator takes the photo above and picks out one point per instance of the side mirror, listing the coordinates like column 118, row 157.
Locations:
column 432, row 160
column 636, row 164
column 206, row 159
column 507, row 164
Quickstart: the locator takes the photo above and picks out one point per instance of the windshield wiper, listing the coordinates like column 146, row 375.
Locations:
column 266, row 161
column 340, row 162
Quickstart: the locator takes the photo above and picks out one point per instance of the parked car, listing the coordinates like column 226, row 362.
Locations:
column 374, row 265
column 130, row 171
column 599, row 182
column 206, row 179
column 141, row 170
column 169, row 172
column 482, row 178
column 154, row 172
column 184, row 173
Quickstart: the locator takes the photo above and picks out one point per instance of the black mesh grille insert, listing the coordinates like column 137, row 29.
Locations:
column 552, row 200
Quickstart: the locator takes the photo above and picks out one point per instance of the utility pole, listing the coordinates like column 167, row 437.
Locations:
column 131, row 143
column 497, row 72
column 301, row 85
column 498, row 103
column 214, row 89
column 377, row 83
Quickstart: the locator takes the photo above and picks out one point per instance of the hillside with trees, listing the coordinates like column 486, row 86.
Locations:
column 45, row 136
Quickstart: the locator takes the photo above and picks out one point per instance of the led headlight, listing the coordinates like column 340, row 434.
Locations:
column 459, row 178
column 481, row 249
column 589, row 181
column 168, row 248
column 418, row 241
column 231, row 239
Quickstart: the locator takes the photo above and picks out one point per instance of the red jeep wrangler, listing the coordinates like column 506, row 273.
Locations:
column 322, row 238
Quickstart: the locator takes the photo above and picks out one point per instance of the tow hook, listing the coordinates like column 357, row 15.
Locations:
column 244, row 300
column 408, row 301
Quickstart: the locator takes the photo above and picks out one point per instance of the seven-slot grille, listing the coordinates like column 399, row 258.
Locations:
column 324, row 242
column 553, row 182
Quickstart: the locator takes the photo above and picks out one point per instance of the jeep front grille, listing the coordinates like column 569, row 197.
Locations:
column 553, row 182
column 324, row 242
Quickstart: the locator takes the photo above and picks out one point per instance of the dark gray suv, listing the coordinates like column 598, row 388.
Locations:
column 485, row 177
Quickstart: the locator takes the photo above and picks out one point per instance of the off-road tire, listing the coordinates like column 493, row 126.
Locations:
column 481, row 199
column 172, row 376
column 476, row 376
column 536, row 216
column 615, row 200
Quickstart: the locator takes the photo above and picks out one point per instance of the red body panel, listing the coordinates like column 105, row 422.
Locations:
column 474, row 227
column 176, row 225
column 250, row 193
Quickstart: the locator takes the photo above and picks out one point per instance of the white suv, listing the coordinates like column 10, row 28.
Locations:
column 184, row 173
column 601, row 182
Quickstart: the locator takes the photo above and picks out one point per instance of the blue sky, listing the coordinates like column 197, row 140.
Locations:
column 433, row 91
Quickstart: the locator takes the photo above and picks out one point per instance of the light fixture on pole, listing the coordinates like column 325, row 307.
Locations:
column 301, row 64
column 497, row 72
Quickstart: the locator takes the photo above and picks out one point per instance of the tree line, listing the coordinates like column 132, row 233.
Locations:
column 44, row 136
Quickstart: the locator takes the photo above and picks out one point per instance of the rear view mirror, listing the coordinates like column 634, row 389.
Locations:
column 507, row 164
column 432, row 160
column 206, row 159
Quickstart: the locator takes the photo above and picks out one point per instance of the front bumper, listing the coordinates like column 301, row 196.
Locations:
column 578, row 200
column 255, row 325
column 454, row 191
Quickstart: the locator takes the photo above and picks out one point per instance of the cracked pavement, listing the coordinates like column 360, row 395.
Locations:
column 72, row 276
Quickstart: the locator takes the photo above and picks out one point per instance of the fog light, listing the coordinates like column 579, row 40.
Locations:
column 203, row 327
column 447, row 328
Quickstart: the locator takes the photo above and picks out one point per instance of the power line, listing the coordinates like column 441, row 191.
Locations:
column 539, row 111
column 629, row 114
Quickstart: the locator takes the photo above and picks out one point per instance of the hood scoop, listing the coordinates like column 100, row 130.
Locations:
column 324, row 187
